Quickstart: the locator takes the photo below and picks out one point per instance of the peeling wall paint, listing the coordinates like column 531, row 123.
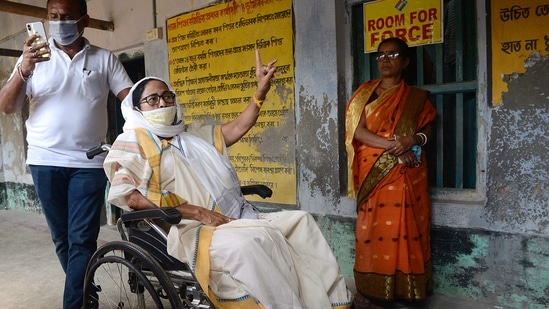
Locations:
column 518, row 169
column 316, row 143
column 12, row 140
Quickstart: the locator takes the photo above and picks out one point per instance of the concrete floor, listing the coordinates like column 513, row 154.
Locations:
column 30, row 274
column 32, row 278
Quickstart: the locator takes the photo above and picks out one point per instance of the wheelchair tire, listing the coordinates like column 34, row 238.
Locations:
column 121, row 274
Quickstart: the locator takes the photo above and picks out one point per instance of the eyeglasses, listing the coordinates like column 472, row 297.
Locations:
column 389, row 55
column 154, row 99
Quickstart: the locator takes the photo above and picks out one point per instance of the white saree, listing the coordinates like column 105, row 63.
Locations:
column 262, row 260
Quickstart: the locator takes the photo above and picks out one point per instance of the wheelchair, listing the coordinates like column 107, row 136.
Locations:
column 136, row 271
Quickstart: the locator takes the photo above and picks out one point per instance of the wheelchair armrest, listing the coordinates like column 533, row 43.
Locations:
column 168, row 214
column 173, row 216
column 260, row 190
column 92, row 152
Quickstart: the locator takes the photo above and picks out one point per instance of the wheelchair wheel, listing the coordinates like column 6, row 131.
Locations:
column 122, row 275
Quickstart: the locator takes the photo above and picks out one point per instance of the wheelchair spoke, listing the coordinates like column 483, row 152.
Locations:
column 124, row 277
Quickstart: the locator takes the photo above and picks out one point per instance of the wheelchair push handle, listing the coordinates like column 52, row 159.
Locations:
column 103, row 147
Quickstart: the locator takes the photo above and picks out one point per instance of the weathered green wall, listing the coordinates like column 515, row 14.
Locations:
column 507, row 270
column 19, row 196
column 340, row 234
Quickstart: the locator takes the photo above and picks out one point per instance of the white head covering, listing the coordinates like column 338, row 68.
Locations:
column 203, row 158
column 135, row 119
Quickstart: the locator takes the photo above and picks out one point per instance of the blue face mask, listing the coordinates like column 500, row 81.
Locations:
column 64, row 32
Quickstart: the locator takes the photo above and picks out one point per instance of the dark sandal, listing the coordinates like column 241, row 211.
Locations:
column 405, row 304
column 361, row 302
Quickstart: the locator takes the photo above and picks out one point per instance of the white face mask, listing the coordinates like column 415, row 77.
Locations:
column 163, row 116
column 64, row 32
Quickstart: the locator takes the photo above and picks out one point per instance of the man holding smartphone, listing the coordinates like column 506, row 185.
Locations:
column 67, row 82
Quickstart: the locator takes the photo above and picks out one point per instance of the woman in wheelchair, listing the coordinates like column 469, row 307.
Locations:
column 247, row 259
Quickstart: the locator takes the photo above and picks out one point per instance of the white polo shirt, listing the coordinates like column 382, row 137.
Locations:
column 68, row 105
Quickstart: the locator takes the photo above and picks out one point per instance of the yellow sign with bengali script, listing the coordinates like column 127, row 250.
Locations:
column 519, row 29
column 417, row 22
column 211, row 55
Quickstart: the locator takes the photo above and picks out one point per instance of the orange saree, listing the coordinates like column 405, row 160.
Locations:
column 393, row 253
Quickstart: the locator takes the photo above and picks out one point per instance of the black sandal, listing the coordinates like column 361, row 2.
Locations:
column 361, row 302
column 406, row 304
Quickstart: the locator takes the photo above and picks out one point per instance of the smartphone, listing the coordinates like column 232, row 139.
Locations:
column 38, row 28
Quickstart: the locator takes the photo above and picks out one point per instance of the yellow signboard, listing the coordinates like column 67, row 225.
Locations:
column 417, row 22
column 212, row 69
column 519, row 28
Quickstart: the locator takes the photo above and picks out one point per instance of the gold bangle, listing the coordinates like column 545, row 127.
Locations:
column 257, row 102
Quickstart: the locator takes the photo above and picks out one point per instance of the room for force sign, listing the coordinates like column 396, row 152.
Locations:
column 417, row 22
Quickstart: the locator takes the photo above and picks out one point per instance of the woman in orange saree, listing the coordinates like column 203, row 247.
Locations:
column 387, row 122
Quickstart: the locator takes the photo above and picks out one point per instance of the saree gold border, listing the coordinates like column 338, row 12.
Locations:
column 153, row 155
column 353, row 113
column 218, row 139
column 405, row 127
column 202, row 273
column 409, row 287
column 384, row 163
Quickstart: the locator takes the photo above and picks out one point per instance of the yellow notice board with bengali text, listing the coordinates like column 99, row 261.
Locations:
column 417, row 22
column 211, row 55
column 518, row 29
